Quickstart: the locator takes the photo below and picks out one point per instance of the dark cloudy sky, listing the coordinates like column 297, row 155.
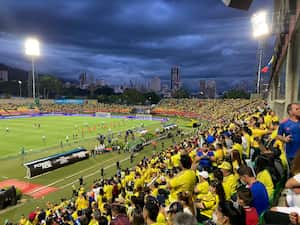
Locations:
column 118, row 40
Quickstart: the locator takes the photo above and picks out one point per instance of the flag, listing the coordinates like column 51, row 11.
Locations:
column 266, row 68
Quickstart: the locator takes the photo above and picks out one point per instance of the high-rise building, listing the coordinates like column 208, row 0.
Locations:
column 3, row 75
column 155, row 84
column 100, row 82
column 211, row 88
column 175, row 78
column 82, row 80
column 166, row 91
column 202, row 88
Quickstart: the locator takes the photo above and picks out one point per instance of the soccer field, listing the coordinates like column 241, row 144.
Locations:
column 44, row 132
column 64, row 178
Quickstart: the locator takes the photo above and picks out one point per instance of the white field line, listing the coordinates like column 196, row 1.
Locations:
column 11, row 208
column 92, row 174
column 21, row 204
column 77, row 141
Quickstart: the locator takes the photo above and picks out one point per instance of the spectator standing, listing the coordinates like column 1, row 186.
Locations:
column 184, row 180
column 229, row 180
column 205, row 157
column 258, row 190
column 289, row 131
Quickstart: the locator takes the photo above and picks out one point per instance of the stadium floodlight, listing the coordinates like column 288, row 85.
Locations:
column 20, row 87
column 32, row 49
column 259, row 24
column 260, row 30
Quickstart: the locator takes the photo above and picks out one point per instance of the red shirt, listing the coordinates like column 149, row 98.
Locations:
column 251, row 216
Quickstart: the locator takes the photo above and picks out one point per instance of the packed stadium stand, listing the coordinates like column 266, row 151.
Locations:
column 234, row 171
column 210, row 110
column 16, row 110
column 86, row 108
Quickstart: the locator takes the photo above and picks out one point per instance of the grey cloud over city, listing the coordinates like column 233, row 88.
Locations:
column 120, row 40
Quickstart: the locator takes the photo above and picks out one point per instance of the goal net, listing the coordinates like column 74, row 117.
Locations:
column 144, row 116
column 103, row 114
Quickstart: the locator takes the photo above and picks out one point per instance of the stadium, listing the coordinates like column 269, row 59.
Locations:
column 57, row 135
column 59, row 155
column 150, row 112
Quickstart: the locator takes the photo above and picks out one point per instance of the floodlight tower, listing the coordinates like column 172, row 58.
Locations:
column 32, row 49
column 260, row 31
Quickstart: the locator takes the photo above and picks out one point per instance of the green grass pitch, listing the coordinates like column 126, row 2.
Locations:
column 25, row 132
column 22, row 132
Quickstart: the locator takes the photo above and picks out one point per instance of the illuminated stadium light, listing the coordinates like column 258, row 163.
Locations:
column 260, row 30
column 32, row 47
column 259, row 24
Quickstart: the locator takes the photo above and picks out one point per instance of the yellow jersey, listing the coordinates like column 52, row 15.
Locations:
column 238, row 147
column 265, row 178
column 202, row 189
column 183, row 181
column 81, row 203
column 108, row 191
column 176, row 160
column 161, row 219
column 93, row 222
column 229, row 184
column 210, row 202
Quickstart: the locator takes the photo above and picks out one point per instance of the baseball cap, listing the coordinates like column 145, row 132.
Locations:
column 175, row 207
column 225, row 165
column 204, row 174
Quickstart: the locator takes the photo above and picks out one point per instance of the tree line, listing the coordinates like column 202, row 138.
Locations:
column 51, row 87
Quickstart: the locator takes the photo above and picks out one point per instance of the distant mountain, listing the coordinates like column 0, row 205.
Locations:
column 14, row 73
column 19, row 74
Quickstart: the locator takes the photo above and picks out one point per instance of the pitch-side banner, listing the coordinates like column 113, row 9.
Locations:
column 69, row 101
column 53, row 162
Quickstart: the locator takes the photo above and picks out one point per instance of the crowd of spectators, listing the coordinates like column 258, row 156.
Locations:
column 210, row 110
column 12, row 109
column 15, row 108
column 85, row 108
column 229, row 174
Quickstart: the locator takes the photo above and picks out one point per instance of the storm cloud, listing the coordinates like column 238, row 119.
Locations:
column 119, row 40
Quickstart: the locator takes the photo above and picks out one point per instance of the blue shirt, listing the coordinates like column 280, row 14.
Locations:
column 210, row 139
column 205, row 162
column 260, row 197
column 289, row 127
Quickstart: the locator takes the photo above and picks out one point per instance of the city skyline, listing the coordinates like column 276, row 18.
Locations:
column 205, row 39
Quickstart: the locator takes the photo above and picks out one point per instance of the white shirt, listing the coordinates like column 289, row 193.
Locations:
column 293, row 199
column 187, row 210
